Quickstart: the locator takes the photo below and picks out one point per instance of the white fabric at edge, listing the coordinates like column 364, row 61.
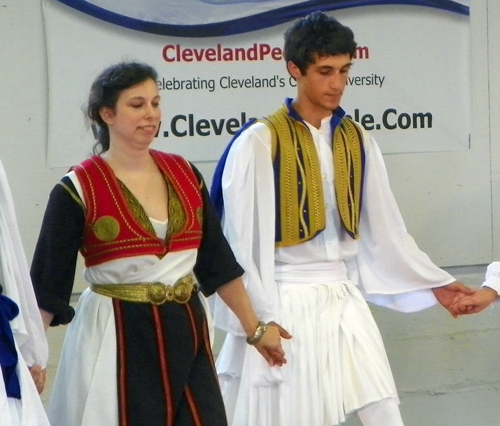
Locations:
column 27, row 327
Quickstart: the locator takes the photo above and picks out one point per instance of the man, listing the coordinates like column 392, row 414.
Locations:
column 309, row 213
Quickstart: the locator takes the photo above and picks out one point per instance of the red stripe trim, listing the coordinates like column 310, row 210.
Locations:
column 123, row 414
column 165, row 374
column 194, row 332
column 193, row 407
column 208, row 347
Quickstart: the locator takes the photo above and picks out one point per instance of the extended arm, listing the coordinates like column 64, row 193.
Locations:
column 393, row 271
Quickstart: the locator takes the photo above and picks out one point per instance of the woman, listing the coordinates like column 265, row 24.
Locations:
column 23, row 346
column 137, row 351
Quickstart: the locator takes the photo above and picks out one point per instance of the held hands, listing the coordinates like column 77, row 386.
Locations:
column 269, row 345
column 265, row 337
column 39, row 375
column 449, row 294
column 476, row 302
column 461, row 300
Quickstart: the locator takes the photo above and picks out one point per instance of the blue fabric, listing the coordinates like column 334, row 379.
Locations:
column 337, row 115
column 216, row 189
column 255, row 22
column 8, row 354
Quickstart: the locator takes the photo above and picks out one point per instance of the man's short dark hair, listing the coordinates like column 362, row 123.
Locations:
column 317, row 35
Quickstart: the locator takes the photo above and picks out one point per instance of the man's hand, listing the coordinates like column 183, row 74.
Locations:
column 39, row 375
column 449, row 294
column 269, row 345
column 476, row 302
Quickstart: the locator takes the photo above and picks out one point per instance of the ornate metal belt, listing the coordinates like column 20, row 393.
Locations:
column 155, row 293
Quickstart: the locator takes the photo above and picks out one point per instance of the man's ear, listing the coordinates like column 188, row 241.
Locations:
column 293, row 70
column 107, row 114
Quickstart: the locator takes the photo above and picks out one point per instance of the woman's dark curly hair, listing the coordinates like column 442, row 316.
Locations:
column 317, row 35
column 106, row 90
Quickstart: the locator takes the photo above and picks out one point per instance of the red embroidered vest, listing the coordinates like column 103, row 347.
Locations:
column 112, row 231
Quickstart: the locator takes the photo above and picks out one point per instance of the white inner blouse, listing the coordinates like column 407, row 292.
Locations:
column 160, row 227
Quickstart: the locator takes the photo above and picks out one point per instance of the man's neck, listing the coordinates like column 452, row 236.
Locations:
column 310, row 114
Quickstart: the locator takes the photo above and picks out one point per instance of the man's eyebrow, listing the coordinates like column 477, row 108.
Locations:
column 329, row 67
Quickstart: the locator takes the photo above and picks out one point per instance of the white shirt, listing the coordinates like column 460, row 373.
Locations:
column 384, row 262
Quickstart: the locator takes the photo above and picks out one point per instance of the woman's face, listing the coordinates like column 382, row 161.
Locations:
column 136, row 116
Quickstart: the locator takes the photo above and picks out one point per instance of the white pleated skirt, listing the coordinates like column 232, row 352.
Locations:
column 336, row 362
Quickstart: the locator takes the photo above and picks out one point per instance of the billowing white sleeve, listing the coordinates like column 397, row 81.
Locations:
column 248, row 223
column 492, row 278
column 27, row 327
column 392, row 270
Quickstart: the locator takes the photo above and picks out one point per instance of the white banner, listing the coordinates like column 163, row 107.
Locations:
column 410, row 83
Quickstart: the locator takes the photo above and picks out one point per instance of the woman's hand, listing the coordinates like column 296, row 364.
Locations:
column 269, row 345
column 476, row 302
column 39, row 376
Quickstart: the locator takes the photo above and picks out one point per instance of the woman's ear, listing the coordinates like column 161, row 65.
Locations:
column 107, row 114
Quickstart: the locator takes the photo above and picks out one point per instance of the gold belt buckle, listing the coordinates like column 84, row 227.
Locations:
column 180, row 292
column 182, row 289
column 158, row 293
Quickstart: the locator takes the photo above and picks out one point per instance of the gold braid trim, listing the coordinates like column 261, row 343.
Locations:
column 303, row 206
column 73, row 195
column 348, row 168
column 176, row 214
column 301, row 200
column 155, row 293
column 136, row 208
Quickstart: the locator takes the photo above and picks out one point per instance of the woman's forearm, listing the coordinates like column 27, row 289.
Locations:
column 236, row 298
column 46, row 318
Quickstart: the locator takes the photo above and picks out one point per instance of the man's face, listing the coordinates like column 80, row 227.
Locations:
column 324, row 81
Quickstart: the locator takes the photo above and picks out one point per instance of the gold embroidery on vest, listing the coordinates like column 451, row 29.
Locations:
column 106, row 228
column 348, row 167
column 111, row 191
column 293, row 138
column 190, row 233
column 176, row 213
column 136, row 208
column 199, row 216
column 133, row 208
column 199, row 210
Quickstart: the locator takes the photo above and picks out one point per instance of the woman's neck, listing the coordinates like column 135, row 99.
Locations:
column 128, row 159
